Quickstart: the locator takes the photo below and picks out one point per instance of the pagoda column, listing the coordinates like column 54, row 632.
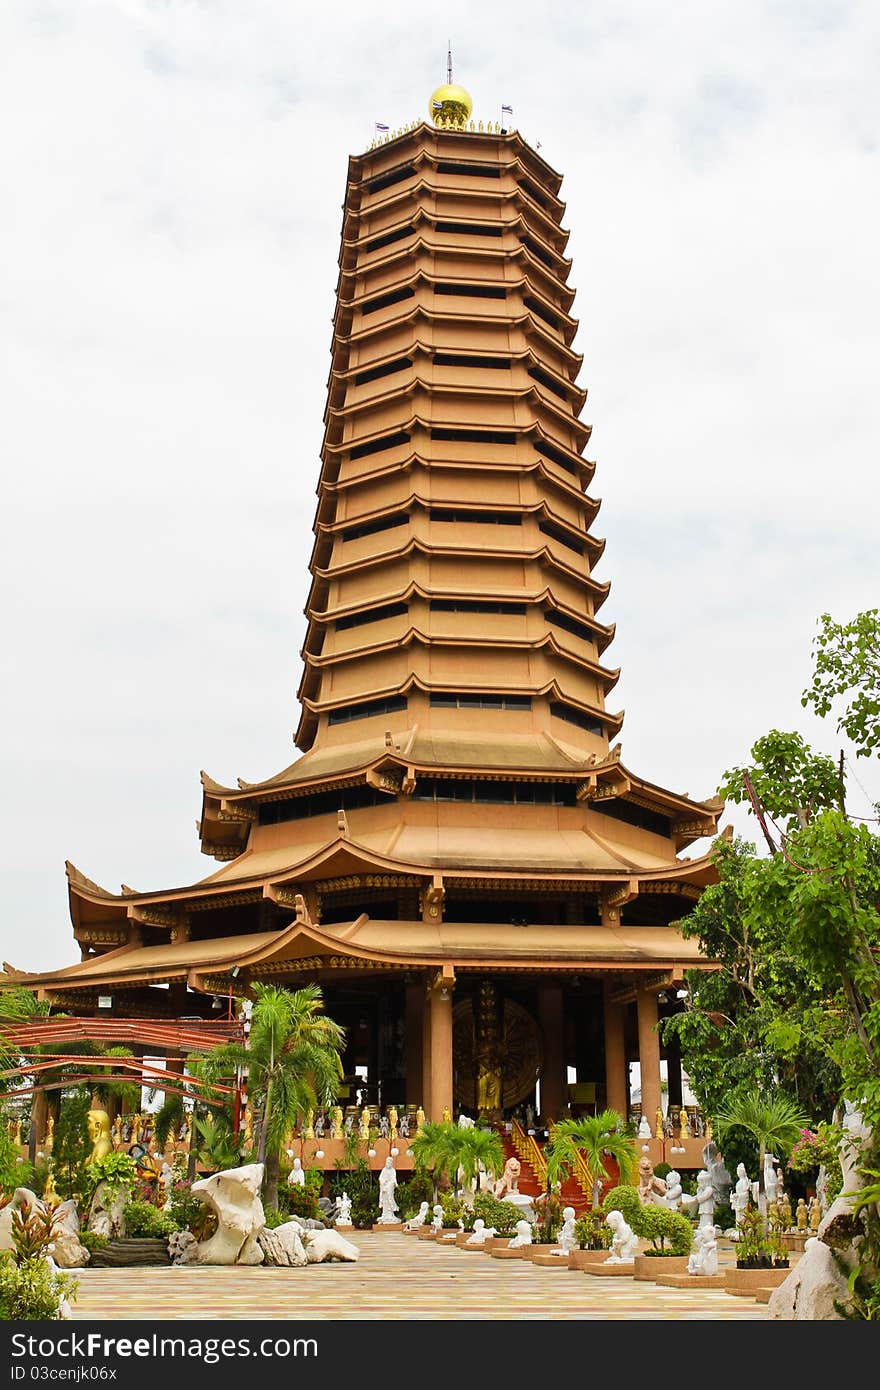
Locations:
column 415, row 1038
column 439, row 1013
column 553, row 1076
column 616, row 1077
column 649, row 1053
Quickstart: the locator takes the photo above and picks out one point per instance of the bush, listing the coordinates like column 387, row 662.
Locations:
column 143, row 1219
column 502, row 1215
column 117, row 1170
column 91, row 1240
column 453, row 1209
column 187, row 1212
column 626, row 1200
column 29, row 1291
column 301, row 1201
column 412, row 1193
column 659, row 1225
column 592, row 1232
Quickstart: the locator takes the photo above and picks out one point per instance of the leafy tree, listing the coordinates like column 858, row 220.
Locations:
column 294, row 1065
column 774, row 1122
column 596, row 1138
column 847, row 666
column 434, row 1148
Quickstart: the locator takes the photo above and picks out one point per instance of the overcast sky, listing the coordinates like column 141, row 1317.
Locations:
column 172, row 181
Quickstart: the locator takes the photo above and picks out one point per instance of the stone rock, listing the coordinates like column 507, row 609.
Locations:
column 106, row 1212
column 234, row 1197
column 66, row 1249
column 181, row 1247
column 809, row 1291
column 328, row 1245
column 283, row 1245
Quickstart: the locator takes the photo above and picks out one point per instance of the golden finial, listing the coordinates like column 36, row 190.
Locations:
column 450, row 105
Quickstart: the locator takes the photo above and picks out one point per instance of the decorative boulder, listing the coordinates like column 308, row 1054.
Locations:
column 234, row 1198
column 328, row 1245
column 283, row 1245
column 809, row 1292
column 66, row 1249
column 106, row 1212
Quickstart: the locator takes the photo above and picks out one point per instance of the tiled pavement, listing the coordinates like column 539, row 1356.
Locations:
column 397, row 1277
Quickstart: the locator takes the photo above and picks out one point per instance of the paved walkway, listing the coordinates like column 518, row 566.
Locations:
column 397, row 1277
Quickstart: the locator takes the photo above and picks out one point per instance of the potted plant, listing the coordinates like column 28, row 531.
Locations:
column 671, row 1237
column 594, row 1240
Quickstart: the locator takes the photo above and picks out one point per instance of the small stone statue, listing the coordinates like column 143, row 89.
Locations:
column 672, row 1197
column 644, row 1128
column 384, row 1127
column 404, row 1126
column 481, row 1233
column 296, row 1176
column 566, row 1236
column 651, row 1188
column 705, row 1198
column 418, row 1220
column 703, row 1259
column 741, row 1195
column 815, row 1215
column 319, row 1125
column 348, row 1126
column 437, row 1223
column 523, row 1235
column 624, row 1241
column 802, row 1216
column 343, row 1210
column 387, row 1199
column 771, row 1185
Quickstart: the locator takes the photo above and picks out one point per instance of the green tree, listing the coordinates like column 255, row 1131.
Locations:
column 846, row 666
column 293, row 1063
column 434, row 1149
column 773, row 1122
column 596, row 1138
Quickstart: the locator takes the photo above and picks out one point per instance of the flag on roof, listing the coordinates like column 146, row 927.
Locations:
column 380, row 126
column 508, row 110
column 437, row 105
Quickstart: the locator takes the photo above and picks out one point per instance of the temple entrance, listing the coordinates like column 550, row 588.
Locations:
column 497, row 1052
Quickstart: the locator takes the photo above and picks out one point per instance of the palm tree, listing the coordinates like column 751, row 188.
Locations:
column 595, row 1137
column 434, row 1147
column 293, row 1062
column 774, row 1122
column 476, row 1149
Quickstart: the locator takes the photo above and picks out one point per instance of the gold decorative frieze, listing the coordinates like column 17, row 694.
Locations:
column 249, row 895
column 238, row 811
column 681, row 890
column 102, row 936
column 220, row 851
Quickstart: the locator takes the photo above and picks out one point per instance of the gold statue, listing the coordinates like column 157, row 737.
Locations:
column 658, row 1122
column 248, row 1126
column 447, row 1118
column 337, row 1123
column 802, row 1216
column 136, row 1129
column 785, row 1211
column 683, row 1129
column 50, row 1196
column 16, row 1132
column 310, row 1125
column 420, row 1120
column 392, row 1122
column 117, row 1132
column 98, row 1122
column 815, row 1215
column 49, row 1138
column 364, row 1125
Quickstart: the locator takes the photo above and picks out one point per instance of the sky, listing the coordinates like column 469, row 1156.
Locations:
column 173, row 175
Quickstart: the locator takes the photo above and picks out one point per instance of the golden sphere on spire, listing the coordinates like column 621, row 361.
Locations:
column 450, row 103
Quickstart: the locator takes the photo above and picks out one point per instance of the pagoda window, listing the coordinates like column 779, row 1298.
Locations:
column 480, row 518
column 462, row 605
column 472, row 291
column 470, row 229
column 389, row 238
column 372, row 615
column 555, row 456
column 404, row 171
column 547, row 380
column 371, row 528
column 632, row 814
column 451, row 699
column 572, row 715
column 454, row 359
column 386, row 369
column 382, row 301
column 376, row 446
column 477, row 171
column 538, row 308
column 557, row 533
column 320, row 804
column 571, row 625
column 474, row 436
column 366, row 709
column 489, row 792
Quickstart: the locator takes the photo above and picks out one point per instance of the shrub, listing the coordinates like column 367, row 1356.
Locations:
column 30, row 1291
column 453, row 1209
column 143, row 1219
column 662, row 1169
column 626, row 1200
column 592, row 1232
column 91, row 1240
column 275, row 1218
column 502, row 1215
column 187, row 1212
column 412, row 1193
column 301, row 1201
column 659, row 1225
column 117, row 1170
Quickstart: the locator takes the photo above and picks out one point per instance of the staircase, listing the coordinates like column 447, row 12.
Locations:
column 533, row 1175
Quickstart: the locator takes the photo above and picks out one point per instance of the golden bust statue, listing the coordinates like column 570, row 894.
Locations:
column 98, row 1122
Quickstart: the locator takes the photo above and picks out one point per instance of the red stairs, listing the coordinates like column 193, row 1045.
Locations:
column 571, row 1192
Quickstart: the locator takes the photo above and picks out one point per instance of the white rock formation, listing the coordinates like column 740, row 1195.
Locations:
column 234, row 1197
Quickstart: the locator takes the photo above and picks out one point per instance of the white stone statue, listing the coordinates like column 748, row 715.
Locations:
column 418, row 1220
column 672, row 1195
column 481, row 1233
column 705, row 1198
column 296, row 1176
column 465, row 1121
column 523, row 1235
column 624, row 1241
column 387, row 1199
column 741, row 1195
column 437, row 1222
column 565, row 1235
column 703, row 1259
column 343, row 1210
column 644, row 1128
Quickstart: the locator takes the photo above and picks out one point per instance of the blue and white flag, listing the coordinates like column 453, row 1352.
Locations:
column 437, row 105
column 380, row 126
column 507, row 110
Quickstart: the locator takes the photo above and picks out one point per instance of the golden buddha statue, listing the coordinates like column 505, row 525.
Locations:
column 802, row 1216
column 310, row 1125
column 658, row 1122
column 116, row 1133
column 815, row 1215
column 392, row 1122
column 364, row 1126
column 447, row 1115
column 337, row 1132
column 49, row 1138
column 50, row 1196
column 98, row 1122
column 683, row 1129
column 136, row 1129
column 420, row 1120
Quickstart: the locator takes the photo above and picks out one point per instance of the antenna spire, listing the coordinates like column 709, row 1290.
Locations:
column 449, row 62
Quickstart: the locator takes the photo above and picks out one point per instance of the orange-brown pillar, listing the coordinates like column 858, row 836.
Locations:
column 415, row 1041
column 649, row 1053
column 426, row 1056
column 440, row 1011
column 616, row 1070
column 554, row 1091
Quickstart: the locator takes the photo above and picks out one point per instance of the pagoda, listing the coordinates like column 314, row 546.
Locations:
column 486, row 894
